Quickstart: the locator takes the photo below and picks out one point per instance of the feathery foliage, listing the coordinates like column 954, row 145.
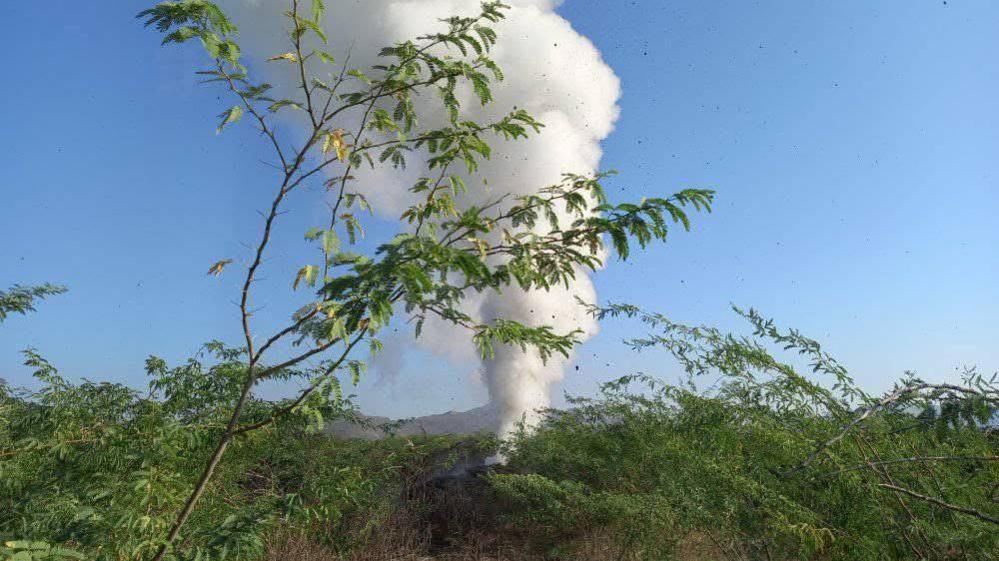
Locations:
column 778, row 459
column 770, row 461
column 20, row 299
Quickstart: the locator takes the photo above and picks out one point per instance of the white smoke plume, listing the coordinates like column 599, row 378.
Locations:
column 554, row 73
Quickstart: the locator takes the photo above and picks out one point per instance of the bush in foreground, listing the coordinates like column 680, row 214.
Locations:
column 768, row 463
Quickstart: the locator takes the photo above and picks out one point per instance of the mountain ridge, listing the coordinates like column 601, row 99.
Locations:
column 372, row 427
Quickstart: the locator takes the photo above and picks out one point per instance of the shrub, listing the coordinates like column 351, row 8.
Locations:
column 101, row 468
column 772, row 463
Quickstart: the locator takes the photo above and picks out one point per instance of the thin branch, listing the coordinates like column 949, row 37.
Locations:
column 206, row 474
column 914, row 459
column 343, row 184
column 253, row 111
column 297, row 35
column 962, row 509
column 297, row 359
column 892, row 397
column 381, row 93
column 305, row 394
column 291, row 328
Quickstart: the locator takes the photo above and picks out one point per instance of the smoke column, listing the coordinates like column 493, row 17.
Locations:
column 554, row 73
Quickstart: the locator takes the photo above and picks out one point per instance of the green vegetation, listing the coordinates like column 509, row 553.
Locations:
column 102, row 470
column 769, row 463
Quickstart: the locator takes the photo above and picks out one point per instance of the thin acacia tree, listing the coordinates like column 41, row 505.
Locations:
column 447, row 248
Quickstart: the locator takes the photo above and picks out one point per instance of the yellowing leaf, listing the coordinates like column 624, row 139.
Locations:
column 308, row 274
column 479, row 244
column 290, row 57
column 334, row 141
column 216, row 269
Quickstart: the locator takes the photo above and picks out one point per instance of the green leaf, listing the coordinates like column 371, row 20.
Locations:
column 326, row 57
column 229, row 116
column 281, row 103
column 315, row 29
column 331, row 242
column 359, row 75
column 21, row 299
column 317, row 9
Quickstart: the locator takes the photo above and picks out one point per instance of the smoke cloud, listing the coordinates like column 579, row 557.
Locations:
column 554, row 73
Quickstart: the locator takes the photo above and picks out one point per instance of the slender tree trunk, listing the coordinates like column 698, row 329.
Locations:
column 206, row 475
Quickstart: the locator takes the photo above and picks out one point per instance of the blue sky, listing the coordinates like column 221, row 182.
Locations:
column 854, row 147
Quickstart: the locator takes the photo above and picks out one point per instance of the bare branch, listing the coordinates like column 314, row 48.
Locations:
column 914, row 459
column 963, row 510
column 898, row 394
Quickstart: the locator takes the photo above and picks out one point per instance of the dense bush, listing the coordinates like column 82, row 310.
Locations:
column 767, row 463
column 756, row 462
column 101, row 469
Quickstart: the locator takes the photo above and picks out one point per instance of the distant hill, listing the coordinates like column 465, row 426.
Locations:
column 480, row 419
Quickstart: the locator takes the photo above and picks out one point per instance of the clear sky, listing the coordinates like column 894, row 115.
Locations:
column 854, row 146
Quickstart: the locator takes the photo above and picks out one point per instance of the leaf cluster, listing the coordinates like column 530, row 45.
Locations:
column 20, row 299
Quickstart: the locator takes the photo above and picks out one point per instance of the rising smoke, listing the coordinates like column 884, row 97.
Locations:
column 554, row 73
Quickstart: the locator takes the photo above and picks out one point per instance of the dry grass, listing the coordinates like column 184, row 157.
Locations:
column 403, row 538
column 431, row 524
column 387, row 546
column 457, row 520
column 291, row 547
column 477, row 548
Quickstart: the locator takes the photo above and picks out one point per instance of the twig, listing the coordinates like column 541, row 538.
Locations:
column 894, row 396
column 914, row 459
column 962, row 509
